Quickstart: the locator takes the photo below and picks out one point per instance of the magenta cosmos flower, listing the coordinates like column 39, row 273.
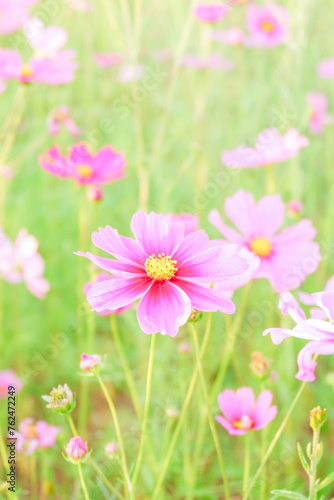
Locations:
column 287, row 257
column 107, row 165
column 21, row 262
column 319, row 333
column 8, row 378
column 14, row 14
column 47, row 70
column 325, row 68
column 62, row 116
column 40, row 435
column 267, row 25
column 165, row 269
column 270, row 148
column 211, row 13
column 98, row 279
column 242, row 413
column 319, row 117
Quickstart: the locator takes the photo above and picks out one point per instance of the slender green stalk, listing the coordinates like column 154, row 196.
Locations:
column 146, row 412
column 210, row 417
column 246, row 465
column 126, row 367
column 117, row 429
column 105, row 480
column 33, row 475
column 185, row 406
column 274, row 441
column 314, row 464
column 72, row 426
column 82, row 481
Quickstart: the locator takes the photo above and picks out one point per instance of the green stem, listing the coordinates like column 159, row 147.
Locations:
column 105, row 480
column 246, row 465
column 117, row 429
column 274, row 441
column 71, row 423
column 146, row 412
column 185, row 406
column 314, row 463
column 82, row 481
column 33, row 475
column 210, row 417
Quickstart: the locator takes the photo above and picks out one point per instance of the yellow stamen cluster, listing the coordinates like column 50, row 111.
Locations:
column 161, row 267
column 84, row 171
column 26, row 71
column 261, row 247
column 244, row 423
column 31, row 432
column 268, row 26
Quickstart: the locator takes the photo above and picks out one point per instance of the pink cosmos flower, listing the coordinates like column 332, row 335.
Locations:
column 267, row 25
column 189, row 222
column 89, row 361
column 94, row 194
column 105, row 277
column 288, row 256
column 242, row 413
column 165, row 269
column 14, row 14
column 319, row 117
column 76, row 448
column 211, row 13
column 308, row 300
column 46, row 41
column 9, row 378
column 39, row 435
column 47, row 70
column 319, row 333
column 107, row 165
column 295, row 207
column 325, row 68
column 270, row 148
column 213, row 61
column 233, row 36
column 62, row 116
column 21, row 262
column 107, row 60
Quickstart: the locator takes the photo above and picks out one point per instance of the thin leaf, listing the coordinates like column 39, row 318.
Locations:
column 288, row 494
column 303, row 459
column 325, row 482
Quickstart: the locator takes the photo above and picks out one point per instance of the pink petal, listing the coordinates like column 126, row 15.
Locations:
column 305, row 362
column 164, row 308
column 115, row 293
column 205, row 299
column 241, row 210
column 230, row 405
column 233, row 431
column 247, row 400
column 230, row 234
column 270, row 215
column 262, row 405
column 124, row 249
column 266, row 418
column 325, row 300
column 117, row 268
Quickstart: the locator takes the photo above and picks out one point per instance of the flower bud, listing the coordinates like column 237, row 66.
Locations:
column 184, row 348
column 94, row 194
column 111, row 448
column 195, row 316
column 76, row 449
column 90, row 362
column 260, row 365
column 60, row 399
column 317, row 418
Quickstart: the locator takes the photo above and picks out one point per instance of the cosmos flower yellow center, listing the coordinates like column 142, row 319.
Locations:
column 84, row 171
column 244, row 423
column 31, row 432
column 261, row 247
column 268, row 26
column 160, row 267
column 26, row 71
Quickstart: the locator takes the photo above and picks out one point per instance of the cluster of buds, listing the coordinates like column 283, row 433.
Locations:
column 90, row 363
column 317, row 418
column 77, row 451
column 60, row 399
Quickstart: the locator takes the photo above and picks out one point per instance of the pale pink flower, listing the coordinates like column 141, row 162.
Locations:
column 111, row 448
column 46, row 41
column 288, row 256
column 107, row 165
column 47, row 70
column 319, row 333
column 130, row 73
column 7, row 172
column 295, row 207
column 76, row 448
column 319, row 117
column 14, row 14
column 39, row 435
column 21, row 262
column 108, row 59
column 98, row 279
column 242, row 413
column 94, row 194
column 211, row 13
column 189, row 222
column 166, row 270
column 89, row 362
column 267, row 25
column 270, row 148
column 325, row 68
column 62, row 116
column 213, row 61
column 232, row 36
column 308, row 300
column 8, row 378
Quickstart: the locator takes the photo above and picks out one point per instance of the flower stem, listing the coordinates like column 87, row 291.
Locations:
column 246, row 465
column 146, row 412
column 210, row 418
column 117, row 429
column 72, row 426
column 105, row 480
column 274, row 441
column 314, row 463
column 82, row 481
column 186, row 403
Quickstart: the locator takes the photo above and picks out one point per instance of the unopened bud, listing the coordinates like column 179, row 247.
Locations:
column 195, row 316
column 111, row 448
column 317, row 417
column 260, row 365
